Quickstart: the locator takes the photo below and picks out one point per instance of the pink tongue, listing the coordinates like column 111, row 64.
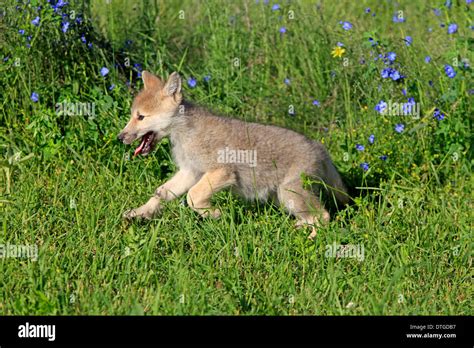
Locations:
column 140, row 147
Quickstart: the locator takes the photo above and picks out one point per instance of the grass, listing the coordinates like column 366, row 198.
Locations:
column 66, row 180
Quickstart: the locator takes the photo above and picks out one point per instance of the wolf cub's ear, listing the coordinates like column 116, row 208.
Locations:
column 150, row 81
column 173, row 85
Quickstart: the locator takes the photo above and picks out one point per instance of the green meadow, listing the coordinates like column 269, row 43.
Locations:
column 386, row 86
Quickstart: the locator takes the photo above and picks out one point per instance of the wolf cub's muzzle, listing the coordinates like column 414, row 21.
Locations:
column 147, row 144
column 126, row 137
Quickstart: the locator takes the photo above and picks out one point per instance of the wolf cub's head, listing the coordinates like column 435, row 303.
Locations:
column 152, row 112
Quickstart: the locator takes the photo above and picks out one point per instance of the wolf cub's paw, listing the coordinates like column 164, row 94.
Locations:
column 213, row 213
column 136, row 213
column 303, row 225
column 313, row 233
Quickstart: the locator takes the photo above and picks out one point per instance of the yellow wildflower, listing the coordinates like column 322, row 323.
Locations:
column 338, row 52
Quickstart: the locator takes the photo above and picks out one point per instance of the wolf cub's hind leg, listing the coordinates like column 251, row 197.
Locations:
column 173, row 188
column 199, row 196
column 304, row 205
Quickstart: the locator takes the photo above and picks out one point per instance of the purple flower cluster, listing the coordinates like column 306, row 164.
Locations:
column 391, row 73
column 438, row 114
column 449, row 70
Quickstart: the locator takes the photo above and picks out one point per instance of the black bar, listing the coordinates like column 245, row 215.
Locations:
column 227, row 330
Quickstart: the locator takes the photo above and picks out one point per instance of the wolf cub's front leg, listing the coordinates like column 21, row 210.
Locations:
column 199, row 196
column 179, row 184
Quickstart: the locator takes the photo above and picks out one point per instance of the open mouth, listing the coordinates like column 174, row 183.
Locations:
column 146, row 145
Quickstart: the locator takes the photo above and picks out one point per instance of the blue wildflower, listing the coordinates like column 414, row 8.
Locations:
column 192, row 82
column 381, row 107
column 60, row 4
column 386, row 72
column 383, row 158
column 367, row 10
column 399, row 127
column 449, row 70
column 364, row 166
column 83, row 39
column 275, row 7
column 437, row 12
column 282, row 30
column 21, row 31
column 34, row 97
column 398, row 19
column 427, row 59
column 138, row 66
column 391, row 56
column 104, row 71
column 395, row 75
column 207, row 78
column 346, row 25
column 287, row 81
column 316, row 102
column 65, row 27
column 408, row 40
column 112, row 86
column 438, row 115
column 360, row 147
column 371, row 138
column 36, row 21
column 452, row 28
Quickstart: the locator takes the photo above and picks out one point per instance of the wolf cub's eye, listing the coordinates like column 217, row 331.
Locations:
column 141, row 117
